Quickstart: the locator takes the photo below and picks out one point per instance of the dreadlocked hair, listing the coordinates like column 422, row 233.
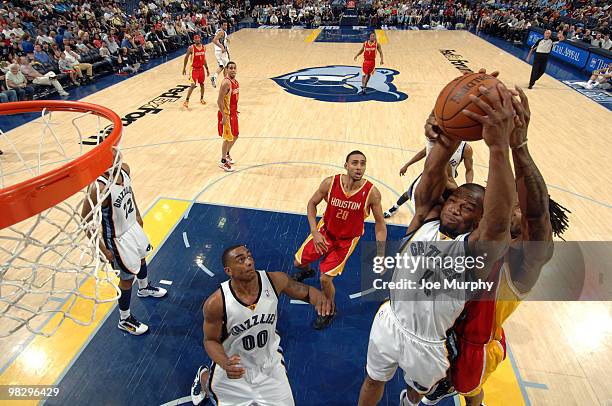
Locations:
column 558, row 218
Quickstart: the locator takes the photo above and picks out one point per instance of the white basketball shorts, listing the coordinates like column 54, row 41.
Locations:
column 222, row 58
column 269, row 388
column 129, row 249
column 424, row 362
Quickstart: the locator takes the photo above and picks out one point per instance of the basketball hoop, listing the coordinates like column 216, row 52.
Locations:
column 51, row 264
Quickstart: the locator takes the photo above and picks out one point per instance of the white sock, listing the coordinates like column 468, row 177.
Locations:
column 590, row 82
column 124, row 314
column 143, row 283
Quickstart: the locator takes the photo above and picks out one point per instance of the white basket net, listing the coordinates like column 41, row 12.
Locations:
column 52, row 268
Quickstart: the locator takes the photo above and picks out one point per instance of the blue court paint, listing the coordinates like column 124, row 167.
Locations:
column 517, row 373
column 324, row 367
column 343, row 34
column 341, row 84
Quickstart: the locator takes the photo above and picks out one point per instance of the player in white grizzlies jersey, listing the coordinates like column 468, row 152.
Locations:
column 124, row 243
column 464, row 153
column 240, row 335
column 221, row 43
column 410, row 330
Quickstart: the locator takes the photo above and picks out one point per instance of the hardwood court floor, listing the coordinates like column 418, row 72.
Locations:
column 288, row 144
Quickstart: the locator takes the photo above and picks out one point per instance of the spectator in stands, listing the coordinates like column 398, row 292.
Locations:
column 113, row 47
column 74, row 60
column 606, row 43
column 67, row 67
column 6, row 95
column 17, row 81
column 48, row 79
column 27, row 46
column 42, row 56
column 600, row 78
column 106, row 55
column 126, row 62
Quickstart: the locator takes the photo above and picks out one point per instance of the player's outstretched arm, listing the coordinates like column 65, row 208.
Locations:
column 429, row 190
column 536, row 230
column 468, row 162
column 382, row 58
column 300, row 291
column 213, row 327
column 311, row 210
column 497, row 126
column 416, row 158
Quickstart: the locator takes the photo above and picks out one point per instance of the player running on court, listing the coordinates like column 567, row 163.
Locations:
column 368, row 50
column 196, row 58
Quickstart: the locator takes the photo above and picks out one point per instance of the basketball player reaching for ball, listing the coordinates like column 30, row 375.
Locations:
column 240, row 335
column 410, row 331
column 368, row 50
column 196, row 57
column 124, row 244
column 221, row 43
column 480, row 336
column 228, row 115
column 350, row 198
column 464, row 153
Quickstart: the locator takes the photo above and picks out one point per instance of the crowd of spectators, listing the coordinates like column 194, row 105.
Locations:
column 49, row 45
column 585, row 20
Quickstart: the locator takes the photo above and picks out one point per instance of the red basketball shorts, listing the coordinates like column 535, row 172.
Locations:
column 475, row 363
column 196, row 75
column 333, row 260
column 368, row 67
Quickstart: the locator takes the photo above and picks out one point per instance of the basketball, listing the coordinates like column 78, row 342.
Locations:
column 454, row 98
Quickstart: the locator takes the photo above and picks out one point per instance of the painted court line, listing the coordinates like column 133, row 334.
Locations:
column 185, row 240
column 361, row 294
column 165, row 282
column 180, row 401
column 535, row 385
column 562, row 189
column 203, row 267
column 165, row 233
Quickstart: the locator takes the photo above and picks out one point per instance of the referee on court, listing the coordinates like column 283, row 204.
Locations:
column 542, row 49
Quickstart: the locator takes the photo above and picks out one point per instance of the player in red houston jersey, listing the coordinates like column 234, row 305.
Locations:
column 368, row 50
column 196, row 55
column 349, row 200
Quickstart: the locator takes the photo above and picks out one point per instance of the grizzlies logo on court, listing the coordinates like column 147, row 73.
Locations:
column 341, row 84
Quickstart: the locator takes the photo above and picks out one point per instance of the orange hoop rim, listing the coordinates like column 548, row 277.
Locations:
column 32, row 196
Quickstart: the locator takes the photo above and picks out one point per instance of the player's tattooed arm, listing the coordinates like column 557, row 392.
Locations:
column 299, row 291
column 536, row 229
column 213, row 330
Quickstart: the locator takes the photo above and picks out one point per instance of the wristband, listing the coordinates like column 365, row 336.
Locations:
column 524, row 143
